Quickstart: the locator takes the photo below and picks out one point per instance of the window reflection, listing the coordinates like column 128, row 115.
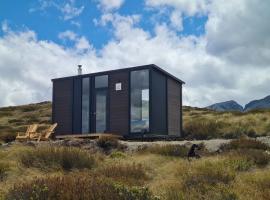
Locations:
column 101, row 81
column 139, row 101
column 85, row 104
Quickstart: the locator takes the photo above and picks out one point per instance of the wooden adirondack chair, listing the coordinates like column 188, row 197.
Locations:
column 30, row 132
column 45, row 135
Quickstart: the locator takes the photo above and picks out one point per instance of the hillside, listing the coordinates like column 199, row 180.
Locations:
column 109, row 169
column 16, row 118
column 199, row 123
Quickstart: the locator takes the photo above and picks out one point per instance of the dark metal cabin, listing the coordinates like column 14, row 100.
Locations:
column 130, row 102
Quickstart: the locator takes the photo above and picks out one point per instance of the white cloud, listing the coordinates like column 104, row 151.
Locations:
column 205, row 63
column 176, row 20
column 68, row 8
column 188, row 7
column 109, row 5
column 70, row 11
column 81, row 43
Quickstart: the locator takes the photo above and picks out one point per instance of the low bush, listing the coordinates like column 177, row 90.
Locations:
column 7, row 136
column 244, row 143
column 4, row 168
column 255, row 156
column 65, row 158
column 118, row 154
column 108, row 143
column 203, row 129
column 167, row 150
column 132, row 174
column 76, row 186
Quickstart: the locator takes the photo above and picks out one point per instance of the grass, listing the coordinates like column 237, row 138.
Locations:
column 232, row 174
column 130, row 174
column 15, row 119
column 65, row 158
column 76, row 186
column 167, row 150
column 245, row 143
column 207, row 124
column 4, row 168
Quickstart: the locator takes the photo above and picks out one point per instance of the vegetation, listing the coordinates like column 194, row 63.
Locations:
column 240, row 171
column 65, row 158
column 167, row 150
column 201, row 123
column 76, row 186
column 15, row 119
column 58, row 172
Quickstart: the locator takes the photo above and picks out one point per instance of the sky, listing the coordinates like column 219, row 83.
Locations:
column 220, row 48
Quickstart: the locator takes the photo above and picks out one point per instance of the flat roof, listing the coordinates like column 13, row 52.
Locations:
column 153, row 66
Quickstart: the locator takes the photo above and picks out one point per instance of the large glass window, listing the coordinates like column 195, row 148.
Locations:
column 101, row 81
column 139, row 102
column 101, row 85
column 101, row 110
column 85, row 104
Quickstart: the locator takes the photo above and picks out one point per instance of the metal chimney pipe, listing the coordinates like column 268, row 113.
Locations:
column 79, row 69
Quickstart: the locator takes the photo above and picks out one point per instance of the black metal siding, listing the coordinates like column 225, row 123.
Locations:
column 77, row 105
column 119, row 103
column 158, row 109
column 174, row 107
column 62, row 106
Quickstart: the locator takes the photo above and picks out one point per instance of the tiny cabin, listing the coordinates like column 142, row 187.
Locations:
column 131, row 102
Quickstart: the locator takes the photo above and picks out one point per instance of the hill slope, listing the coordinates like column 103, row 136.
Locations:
column 16, row 118
column 199, row 123
column 226, row 106
column 258, row 104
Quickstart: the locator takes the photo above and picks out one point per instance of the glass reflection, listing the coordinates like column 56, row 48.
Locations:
column 139, row 119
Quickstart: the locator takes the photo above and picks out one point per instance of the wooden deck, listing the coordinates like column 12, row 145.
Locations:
column 88, row 135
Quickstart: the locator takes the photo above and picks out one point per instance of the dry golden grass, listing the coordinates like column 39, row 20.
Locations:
column 229, row 175
column 206, row 124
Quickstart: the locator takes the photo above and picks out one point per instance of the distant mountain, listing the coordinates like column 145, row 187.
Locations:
column 226, row 106
column 258, row 104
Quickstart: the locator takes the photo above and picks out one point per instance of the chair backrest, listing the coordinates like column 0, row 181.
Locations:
column 34, row 128
column 50, row 130
column 30, row 129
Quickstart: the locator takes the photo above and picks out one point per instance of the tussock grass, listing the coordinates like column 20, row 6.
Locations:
column 108, row 143
column 4, row 168
column 131, row 174
column 65, row 158
column 76, row 186
column 245, row 143
column 167, row 150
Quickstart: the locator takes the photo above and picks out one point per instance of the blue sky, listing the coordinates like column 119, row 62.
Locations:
column 49, row 21
column 215, row 46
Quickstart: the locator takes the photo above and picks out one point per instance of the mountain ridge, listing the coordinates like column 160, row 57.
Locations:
column 232, row 105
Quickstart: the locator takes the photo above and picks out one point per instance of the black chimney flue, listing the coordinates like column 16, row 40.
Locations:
column 79, row 69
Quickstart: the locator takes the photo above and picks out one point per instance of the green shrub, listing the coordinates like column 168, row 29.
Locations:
column 76, row 186
column 66, row 158
column 132, row 174
column 244, row 143
column 167, row 150
column 4, row 168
